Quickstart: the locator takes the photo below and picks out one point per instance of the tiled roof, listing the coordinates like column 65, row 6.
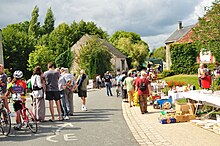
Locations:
column 178, row 34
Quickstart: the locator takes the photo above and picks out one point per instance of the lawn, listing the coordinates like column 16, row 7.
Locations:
column 187, row 79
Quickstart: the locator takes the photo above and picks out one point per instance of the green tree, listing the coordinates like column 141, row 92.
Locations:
column 34, row 24
column 95, row 58
column 60, row 39
column 131, row 45
column 17, row 46
column 159, row 53
column 49, row 22
column 82, row 28
column 136, row 51
column 41, row 56
column 65, row 59
column 207, row 31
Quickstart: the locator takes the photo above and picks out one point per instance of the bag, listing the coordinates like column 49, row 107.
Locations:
column 143, row 86
column 35, row 87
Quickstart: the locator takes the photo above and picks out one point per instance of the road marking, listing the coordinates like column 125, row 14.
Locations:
column 49, row 138
column 69, row 137
column 64, row 125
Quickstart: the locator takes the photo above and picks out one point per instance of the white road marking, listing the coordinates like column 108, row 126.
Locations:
column 49, row 138
column 64, row 125
column 69, row 137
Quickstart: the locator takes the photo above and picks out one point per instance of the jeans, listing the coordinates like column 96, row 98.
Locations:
column 108, row 88
column 63, row 103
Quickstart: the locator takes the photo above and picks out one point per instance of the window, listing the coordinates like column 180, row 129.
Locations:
column 123, row 64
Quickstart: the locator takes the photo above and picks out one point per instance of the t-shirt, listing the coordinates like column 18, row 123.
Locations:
column 129, row 83
column 51, row 79
column 142, row 80
column 3, row 86
column 17, row 89
column 107, row 78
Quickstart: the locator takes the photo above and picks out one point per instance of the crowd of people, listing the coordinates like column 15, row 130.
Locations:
column 56, row 84
column 128, row 84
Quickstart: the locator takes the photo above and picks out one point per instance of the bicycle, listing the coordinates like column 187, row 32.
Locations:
column 5, row 120
column 28, row 117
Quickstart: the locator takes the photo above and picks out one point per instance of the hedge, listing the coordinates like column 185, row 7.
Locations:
column 183, row 58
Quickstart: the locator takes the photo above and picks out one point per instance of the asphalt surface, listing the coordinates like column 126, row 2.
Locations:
column 103, row 124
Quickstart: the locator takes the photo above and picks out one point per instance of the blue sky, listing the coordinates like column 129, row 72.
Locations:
column 154, row 20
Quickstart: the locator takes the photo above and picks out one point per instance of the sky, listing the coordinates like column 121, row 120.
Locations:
column 154, row 20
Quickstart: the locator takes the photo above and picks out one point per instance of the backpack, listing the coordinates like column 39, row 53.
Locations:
column 143, row 86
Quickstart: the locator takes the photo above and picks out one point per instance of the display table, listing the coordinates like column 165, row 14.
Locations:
column 198, row 95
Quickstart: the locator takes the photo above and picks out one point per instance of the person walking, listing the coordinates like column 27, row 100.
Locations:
column 143, row 88
column 82, row 83
column 98, row 81
column 108, row 84
column 52, row 91
column 123, row 88
column 129, row 83
column 38, row 89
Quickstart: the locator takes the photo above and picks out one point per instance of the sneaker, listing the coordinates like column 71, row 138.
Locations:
column 85, row 108
column 66, row 118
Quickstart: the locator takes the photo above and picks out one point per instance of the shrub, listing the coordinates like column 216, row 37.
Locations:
column 167, row 73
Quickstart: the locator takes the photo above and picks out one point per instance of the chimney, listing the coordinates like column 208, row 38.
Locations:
column 180, row 25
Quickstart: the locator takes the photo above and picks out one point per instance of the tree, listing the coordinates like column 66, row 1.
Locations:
column 49, row 22
column 131, row 45
column 159, row 53
column 82, row 28
column 207, row 32
column 135, row 38
column 17, row 46
column 60, row 39
column 40, row 57
column 65, row 59
column 95, row 58
column 34, row 24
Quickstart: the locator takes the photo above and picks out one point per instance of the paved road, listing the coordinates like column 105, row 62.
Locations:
column 103, row 124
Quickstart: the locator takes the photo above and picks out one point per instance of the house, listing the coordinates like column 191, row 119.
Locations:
column 118, row 60
column 1, row 49
column 183, row 35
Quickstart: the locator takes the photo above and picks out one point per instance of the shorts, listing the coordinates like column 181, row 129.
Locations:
column 53, row 95
column 82, row 93
column 17, row 105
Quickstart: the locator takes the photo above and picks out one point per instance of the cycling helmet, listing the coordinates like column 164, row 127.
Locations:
column 18, row 74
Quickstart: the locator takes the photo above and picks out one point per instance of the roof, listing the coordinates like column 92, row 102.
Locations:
column 178, row 34
column 85, row 38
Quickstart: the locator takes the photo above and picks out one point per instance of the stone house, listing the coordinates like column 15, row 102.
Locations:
column 183, row 35
column 118, row 59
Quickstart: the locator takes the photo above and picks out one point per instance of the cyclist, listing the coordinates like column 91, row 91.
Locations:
column 3, row 86
column 18, row 89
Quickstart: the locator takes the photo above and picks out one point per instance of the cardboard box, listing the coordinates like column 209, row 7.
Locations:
column 182, row 107
column 191, row 116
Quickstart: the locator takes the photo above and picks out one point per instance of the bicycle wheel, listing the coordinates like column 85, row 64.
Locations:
column 31, row 121
column 5, row 122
